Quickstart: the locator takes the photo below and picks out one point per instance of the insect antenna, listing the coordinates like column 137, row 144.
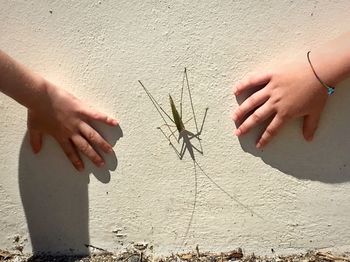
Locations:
column 194, row 203
column 182, row 94
column 190, row 96
column 157, row 106
column 228, row 194
column 193, row 112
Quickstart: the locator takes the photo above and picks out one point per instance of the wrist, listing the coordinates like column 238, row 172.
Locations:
column 328, row 88
column 331, row 65
column 41, row 90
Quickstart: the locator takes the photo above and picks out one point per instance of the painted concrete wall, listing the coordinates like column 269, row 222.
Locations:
column 296, row 193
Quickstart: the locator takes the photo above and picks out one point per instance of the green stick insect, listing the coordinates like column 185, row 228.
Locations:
column 184, row 134
column 187, row 137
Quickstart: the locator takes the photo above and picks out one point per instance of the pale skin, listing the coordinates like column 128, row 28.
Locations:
column 55, row 112
column 291, row 90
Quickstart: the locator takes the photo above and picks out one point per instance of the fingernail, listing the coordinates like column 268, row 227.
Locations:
column 100, row 164
column 234, row 117
column 310, row 138
column 36, row 150
column 114, row 122
column 80, row 167
column 258, row 145
column 109, row 150
column 238, row 132
column 234, row 90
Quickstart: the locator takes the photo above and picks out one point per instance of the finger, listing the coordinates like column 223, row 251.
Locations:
column 251, row 81
column 250, row 104
column 84, row 146
column 72, row 154
column 310, row 125
column 95, row 138
column 257, row 117
column 270, row 132
column 35, row 138
column 98, row 116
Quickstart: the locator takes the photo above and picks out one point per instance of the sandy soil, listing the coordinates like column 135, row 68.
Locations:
column 195, row 256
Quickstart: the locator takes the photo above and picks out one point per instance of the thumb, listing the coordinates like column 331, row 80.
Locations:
column 310, row 125
column 35, row 138
column 95, row 115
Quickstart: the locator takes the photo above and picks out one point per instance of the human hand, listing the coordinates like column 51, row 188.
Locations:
column 289, row 91
column 67, row 120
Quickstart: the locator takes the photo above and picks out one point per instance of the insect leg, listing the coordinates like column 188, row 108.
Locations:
column 188, row 120
column 198, row 150
column 157, row 106
column 167, row 125
column 191, row 135
column 172, row 132
column 170, row 143
column 183, row 149
column 205, row 116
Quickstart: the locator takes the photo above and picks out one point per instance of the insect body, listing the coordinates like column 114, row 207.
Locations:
column 177, row 120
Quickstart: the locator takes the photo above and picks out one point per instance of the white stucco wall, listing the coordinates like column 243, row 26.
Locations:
column 98, row 50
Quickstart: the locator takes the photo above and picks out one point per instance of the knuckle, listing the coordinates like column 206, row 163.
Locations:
column 264, row 140
column 270, row 88
column 256, row 117
column 98, row 116
column 238, row 86
column 270, row 75
column 91, row 136
column 95, row 115
column 251, row 101
column 273, row 74
column 275, row 99
column 239, row 111
column 249, row 80
column 105, row 145
column 267, row 73
column 243, row 128
column 270, row 132
column 85, row 147
column 284, row 115
column 81, row 111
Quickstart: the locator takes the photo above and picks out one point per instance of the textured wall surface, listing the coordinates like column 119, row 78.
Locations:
column 292, row 196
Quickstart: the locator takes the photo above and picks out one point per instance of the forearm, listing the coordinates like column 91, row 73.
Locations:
column 19, row 82
column 332, row 60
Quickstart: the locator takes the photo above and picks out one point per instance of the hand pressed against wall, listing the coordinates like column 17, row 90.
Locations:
column 55, row 112
column 67, row 119
column 292, row 90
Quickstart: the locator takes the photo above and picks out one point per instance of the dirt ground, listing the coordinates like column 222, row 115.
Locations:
column 195, row 256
